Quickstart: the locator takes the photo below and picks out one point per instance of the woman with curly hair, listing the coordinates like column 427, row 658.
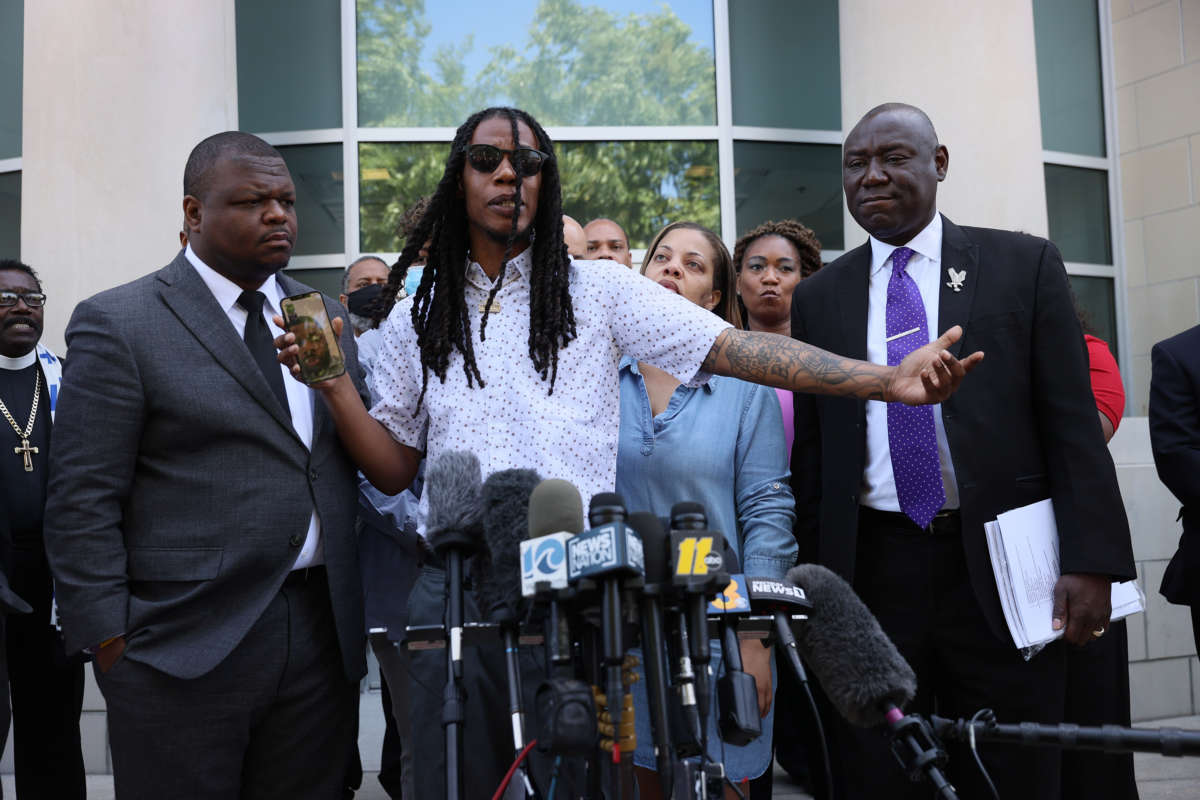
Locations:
column 776, row 256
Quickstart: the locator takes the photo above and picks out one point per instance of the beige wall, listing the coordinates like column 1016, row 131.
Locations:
column 115, row 97
column 1156, row 65
column 975, row 74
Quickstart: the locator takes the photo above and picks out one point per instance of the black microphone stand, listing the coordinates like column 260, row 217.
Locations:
column 453, row 696
column 1173, row 742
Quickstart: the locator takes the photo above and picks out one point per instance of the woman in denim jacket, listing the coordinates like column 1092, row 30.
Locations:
column 720, row 444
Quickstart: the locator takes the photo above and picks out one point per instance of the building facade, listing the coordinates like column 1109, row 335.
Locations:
column 1073, row 119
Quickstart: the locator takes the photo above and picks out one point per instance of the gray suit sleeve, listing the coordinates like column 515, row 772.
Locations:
column 95, row 446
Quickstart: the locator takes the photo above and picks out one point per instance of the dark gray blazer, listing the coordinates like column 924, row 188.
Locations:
column 179, row 492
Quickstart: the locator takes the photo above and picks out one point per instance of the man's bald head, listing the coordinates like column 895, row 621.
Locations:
column 921, row 123
column 574, row 237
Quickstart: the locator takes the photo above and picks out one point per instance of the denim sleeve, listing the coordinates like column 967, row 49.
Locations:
column 765, row 507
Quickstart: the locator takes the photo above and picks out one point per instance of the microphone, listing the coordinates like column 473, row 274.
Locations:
column 608, row 552
column 860, row 669
column 737, row 693
column 555, row 516
column 454, row 530
column 699, row 573
column 505, row 519
column 779, row 599
column 452, row 483
column 658, row 579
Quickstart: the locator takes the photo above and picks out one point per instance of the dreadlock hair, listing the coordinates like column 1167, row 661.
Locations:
column 723, row 278
column 807, row 245
column 440, row 315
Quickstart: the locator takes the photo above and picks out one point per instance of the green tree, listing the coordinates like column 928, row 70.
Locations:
column 580, row 65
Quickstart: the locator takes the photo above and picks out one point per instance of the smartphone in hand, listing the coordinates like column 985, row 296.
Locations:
column 320, row 354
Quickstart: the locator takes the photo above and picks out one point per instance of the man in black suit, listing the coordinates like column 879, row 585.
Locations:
column 1175, row 438
column 46, row 683
column 895, row 499
column 200, row 524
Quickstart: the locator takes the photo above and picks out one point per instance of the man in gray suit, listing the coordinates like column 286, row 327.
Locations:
column 201, row 510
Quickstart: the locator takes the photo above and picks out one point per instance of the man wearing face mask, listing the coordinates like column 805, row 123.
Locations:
column 362, row 282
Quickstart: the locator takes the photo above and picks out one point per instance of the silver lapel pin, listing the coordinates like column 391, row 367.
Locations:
column 956, row 279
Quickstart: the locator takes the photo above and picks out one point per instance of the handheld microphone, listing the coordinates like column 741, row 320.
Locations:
column 454, row 529
column 860, row 669
column 780, row 599
column 452, row 483
column 608, row 552
column 555, row 516
column 505, row 519
column 699, row 573
column 737, row 692
column 658, row 576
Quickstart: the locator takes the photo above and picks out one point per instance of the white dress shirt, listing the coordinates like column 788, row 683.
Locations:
column 299, row 396
column 512, row 421
column 925, row 268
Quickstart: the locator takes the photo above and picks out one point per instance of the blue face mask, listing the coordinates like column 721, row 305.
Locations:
column 413, row 279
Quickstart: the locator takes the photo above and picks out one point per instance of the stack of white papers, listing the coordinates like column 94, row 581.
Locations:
column 1023, row 544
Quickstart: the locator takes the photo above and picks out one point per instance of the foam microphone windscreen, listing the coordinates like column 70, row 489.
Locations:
column 555, row 507
column 453, row 484
column 858, row 666
column 497, row 570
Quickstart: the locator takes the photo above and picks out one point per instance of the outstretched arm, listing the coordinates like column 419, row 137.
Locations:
column 928, row 375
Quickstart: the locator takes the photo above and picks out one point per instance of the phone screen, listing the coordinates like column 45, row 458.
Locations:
column 320, row 354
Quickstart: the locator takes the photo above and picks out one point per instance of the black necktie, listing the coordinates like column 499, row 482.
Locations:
column 261, row 344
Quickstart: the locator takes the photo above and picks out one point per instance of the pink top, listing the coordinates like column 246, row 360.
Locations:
column 789, row 421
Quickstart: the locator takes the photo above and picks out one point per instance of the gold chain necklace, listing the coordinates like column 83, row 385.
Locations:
column 25, row 451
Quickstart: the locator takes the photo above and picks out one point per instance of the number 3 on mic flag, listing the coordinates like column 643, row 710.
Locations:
column 697, row 557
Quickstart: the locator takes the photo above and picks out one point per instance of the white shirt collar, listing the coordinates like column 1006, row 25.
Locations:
column 517, row 270
column 226, row 291
column 927, row 243
column 20, row 362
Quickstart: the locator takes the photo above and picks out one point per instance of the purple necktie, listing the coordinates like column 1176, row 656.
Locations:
column 912, row 438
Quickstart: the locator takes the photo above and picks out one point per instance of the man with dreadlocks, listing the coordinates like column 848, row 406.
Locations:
column 498, row 275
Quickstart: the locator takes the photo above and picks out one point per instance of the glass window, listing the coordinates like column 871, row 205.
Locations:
column 567, row 62
column 10, row 215
column 289, row 58
column 327, row 280
column 1067, row 38
column 1098, row 309
column 798, row 181
column 391, row 177
column 12, row 57
column 317, row 172
column 641, row 185
column 785, row 64
column 1077, row 205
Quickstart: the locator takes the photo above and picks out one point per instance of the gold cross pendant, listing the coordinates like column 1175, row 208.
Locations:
column 25, row 450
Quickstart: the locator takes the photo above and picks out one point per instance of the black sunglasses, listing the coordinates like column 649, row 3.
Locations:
column 32, row 299
column 526, row 161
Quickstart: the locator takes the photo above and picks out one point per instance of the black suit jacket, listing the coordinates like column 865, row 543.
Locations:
column 1021, row 427
column 179, row 492
column 1175, row 438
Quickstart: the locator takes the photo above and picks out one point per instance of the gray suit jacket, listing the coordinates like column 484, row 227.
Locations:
column 179, row 491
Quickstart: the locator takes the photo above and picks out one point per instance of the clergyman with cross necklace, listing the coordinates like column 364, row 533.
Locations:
column 47, row 687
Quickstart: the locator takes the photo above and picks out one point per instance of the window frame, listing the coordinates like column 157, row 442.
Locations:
column 350, row 135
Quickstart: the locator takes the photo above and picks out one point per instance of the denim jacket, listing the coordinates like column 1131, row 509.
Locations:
column 721, row 445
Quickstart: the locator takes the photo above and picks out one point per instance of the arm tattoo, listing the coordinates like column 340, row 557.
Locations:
column 784, row 363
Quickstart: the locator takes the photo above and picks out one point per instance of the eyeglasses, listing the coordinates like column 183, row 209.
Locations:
column 32, row 299
column 526, row 161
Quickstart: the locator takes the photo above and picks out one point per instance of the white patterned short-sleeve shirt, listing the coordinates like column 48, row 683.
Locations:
column 512, row 421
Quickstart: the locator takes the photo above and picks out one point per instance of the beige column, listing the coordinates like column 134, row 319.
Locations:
column 116, row 95
column 972, row 68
